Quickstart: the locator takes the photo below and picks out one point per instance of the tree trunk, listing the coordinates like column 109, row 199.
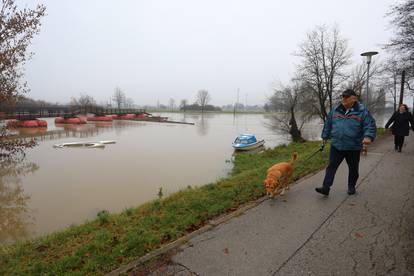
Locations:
column 294, row 131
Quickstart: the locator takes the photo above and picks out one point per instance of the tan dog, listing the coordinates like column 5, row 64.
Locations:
column 364, row 150
column 279, row 176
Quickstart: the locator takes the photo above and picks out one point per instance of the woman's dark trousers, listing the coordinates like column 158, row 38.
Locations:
column 335, row 159
column 398, row 142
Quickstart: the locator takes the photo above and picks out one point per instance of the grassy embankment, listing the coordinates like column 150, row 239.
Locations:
column 111, row 240
column 381, row 132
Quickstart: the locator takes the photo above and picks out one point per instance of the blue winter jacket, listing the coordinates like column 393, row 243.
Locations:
column 348, row 129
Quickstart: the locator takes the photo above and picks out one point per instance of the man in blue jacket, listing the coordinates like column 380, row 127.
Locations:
column 349, row 125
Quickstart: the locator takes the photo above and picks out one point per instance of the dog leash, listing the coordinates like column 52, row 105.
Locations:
column 319, row 150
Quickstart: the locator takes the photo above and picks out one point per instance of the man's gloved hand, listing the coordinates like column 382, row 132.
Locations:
column 322, row 145
column 367, row 141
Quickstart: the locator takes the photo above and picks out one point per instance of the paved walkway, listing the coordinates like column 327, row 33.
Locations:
column 303, row 233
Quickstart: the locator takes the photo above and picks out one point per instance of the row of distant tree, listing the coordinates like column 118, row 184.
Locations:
column 86, row 100
column 120, row 100
column 117, row 100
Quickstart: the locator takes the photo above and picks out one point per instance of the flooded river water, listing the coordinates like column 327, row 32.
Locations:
column 56, row 187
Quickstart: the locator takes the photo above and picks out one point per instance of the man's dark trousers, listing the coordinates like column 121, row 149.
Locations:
column 335, row 159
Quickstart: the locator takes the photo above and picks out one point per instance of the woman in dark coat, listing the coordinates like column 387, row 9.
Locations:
column 400, row 121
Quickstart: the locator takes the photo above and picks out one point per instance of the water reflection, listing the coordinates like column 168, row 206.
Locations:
column 184, row 117
column 15, row 216
column 202, row 126
column 24, row 131
column 117, row 125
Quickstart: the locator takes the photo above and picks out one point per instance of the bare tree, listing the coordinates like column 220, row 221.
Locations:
column 357, row 81
column 324, row 55
column 129, row 102
column 183, row 104
column 203, row 98
column 286, row 101
column 119, row 97
column 17, row 29
column 390, row 78
column 403, row 41
column 377, row 100
column 171, row 103
column 83, row 101
column 357, row 78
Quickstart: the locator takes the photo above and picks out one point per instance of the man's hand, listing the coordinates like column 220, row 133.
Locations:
column 367, row 141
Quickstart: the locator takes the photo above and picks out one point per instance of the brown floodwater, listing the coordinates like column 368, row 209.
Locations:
column 56, row 187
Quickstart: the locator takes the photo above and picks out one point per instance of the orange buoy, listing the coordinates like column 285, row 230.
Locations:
column 26, row 123
column 41, row 123
column 125, row 117
column 74, row 120
column 142, row 115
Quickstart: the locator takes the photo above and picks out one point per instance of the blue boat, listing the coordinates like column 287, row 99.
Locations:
column 247, row 142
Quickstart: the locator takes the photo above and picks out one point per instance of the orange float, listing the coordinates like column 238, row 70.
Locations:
column 26, row 123
column 74, row 120
column 142, row 115
column 125, row 117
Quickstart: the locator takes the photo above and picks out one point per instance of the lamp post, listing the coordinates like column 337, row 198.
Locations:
column 368, row 55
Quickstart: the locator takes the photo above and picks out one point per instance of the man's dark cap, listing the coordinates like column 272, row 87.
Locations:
column 348, row 92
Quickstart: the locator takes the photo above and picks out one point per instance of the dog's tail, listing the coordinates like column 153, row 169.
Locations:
column 294, row 157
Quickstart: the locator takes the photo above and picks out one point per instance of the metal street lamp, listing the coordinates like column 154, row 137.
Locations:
column 368, row 55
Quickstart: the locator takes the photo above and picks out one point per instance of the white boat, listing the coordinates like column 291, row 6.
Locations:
column 247, row 142
column 107, row 142
column 99, row 144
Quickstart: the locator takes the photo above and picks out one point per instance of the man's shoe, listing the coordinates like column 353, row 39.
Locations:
column 351, row 191
column 322, row 190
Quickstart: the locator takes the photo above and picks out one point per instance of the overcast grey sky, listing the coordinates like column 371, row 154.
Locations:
column 160, row 49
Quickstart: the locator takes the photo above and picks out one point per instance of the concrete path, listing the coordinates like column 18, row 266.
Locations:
column 304, row 233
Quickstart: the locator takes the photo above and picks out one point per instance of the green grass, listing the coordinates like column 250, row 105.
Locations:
column 99, row 246
column 381, row 132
